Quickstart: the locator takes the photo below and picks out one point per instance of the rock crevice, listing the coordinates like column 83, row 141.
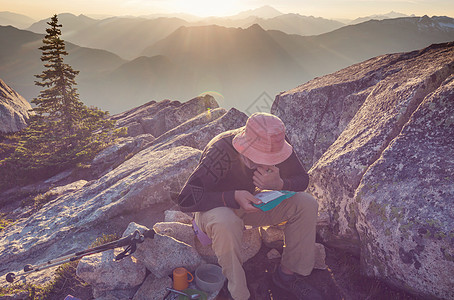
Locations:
column 427, row 87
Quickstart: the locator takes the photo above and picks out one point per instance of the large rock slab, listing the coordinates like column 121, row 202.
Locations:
column 317, row 112
column 388, row 107
column 405, row 200
column 114, row 155
column 14, row 110
column 63, row 225
column 156, row 118
column 191, row 124
column 357, row 116
column 393, row 88
column 198, row 131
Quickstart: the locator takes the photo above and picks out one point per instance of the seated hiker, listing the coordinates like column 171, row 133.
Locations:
column 234, row 165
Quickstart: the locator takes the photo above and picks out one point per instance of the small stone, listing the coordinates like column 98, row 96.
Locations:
column 105, row 274
column 153, row 288
column 177, row 216
column 273, row 254
column 272, row 236
column 179, row 231
column 163, row 253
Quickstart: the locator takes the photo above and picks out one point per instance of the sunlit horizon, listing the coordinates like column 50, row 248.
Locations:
column 329, row 9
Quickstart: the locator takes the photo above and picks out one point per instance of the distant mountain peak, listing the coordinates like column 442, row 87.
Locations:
column 255, row 26
column 266, row 8
column 394, row 14
column 67, row 19
column 390, row 15
column 264, row 12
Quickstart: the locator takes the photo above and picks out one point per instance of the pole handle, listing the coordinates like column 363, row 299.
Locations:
column 10, row 277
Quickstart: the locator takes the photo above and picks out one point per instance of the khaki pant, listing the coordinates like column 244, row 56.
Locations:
column 225, row 227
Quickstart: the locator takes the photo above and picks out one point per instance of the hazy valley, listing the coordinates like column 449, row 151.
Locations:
column 124, row 62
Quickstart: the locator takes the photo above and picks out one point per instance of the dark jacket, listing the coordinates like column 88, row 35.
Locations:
column 221, row 172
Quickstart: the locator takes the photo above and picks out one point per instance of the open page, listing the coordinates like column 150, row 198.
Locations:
column 268, row 196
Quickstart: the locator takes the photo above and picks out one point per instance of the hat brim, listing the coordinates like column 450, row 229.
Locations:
column 243, row 146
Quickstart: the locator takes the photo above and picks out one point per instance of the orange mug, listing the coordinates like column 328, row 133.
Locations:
column 180, row 278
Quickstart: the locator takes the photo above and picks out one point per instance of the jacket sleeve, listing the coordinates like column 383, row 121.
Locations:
column 293, row 174
column 198, row 193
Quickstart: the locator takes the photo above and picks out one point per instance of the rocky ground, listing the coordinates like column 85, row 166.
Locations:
column 341, row 280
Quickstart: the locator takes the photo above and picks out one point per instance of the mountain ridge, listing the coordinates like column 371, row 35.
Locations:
column 17, row 20
column 390, row 15
column 20, row 60
column 106, row 34
column 241, row 64
column 299, row 24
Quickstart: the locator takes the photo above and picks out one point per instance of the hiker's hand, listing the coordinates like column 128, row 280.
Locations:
column 268, row 178
column 245, row 200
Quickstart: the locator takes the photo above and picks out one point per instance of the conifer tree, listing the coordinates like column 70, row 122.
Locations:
column 63, row 132
column 59, row 101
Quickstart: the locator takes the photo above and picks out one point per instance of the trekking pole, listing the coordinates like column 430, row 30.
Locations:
column 130, row 241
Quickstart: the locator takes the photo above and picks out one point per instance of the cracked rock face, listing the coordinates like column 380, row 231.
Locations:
column 406, row 221
column 342, row 125
column 62, row 225
column 14, row 110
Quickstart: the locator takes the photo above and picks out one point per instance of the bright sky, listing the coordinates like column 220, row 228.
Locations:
column 331, row 9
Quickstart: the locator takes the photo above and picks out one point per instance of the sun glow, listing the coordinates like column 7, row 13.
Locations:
column 206, row 8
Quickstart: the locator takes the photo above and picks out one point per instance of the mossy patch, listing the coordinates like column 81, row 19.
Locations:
column 379, row 210
column 4, row 222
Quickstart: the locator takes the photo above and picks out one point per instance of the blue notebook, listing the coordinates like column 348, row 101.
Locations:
column 271, row 199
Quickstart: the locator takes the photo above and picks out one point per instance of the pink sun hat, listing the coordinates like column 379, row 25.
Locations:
column 262, row 140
